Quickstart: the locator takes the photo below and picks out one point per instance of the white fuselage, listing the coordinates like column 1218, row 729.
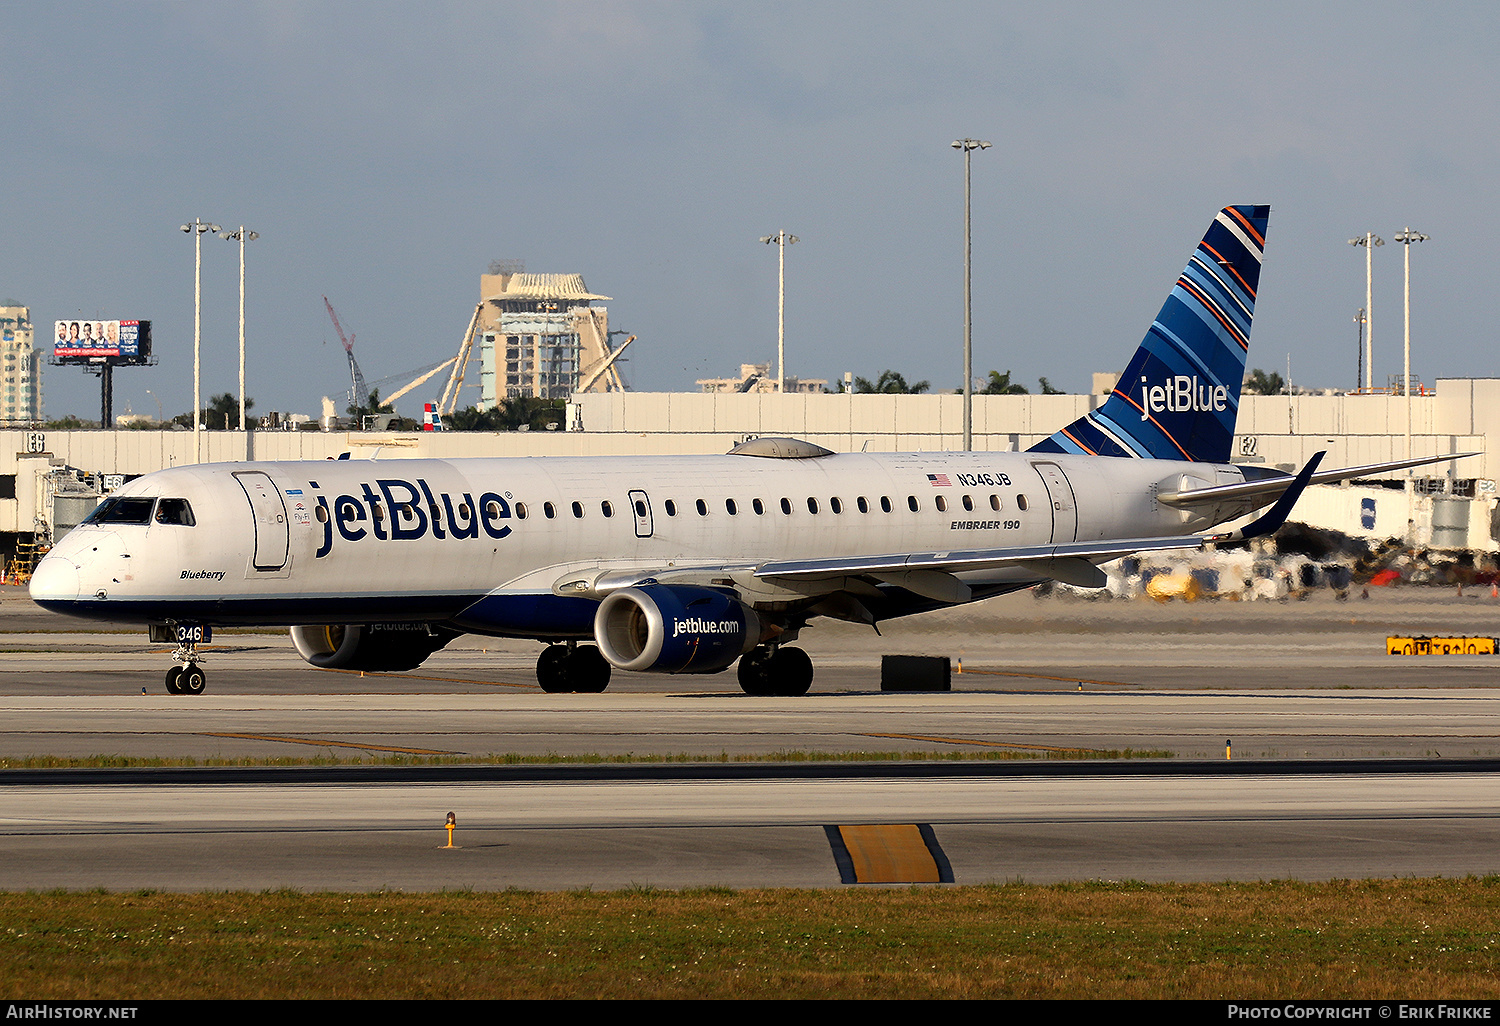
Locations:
column 395, row 540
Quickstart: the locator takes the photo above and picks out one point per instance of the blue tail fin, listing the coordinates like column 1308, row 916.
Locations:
column 1179, row 395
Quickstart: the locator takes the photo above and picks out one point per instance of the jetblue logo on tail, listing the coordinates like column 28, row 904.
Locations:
column 1182, row 394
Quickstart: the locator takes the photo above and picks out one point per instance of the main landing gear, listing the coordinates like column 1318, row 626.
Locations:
column 189, row 678
column 572, row 667
column 775, row 671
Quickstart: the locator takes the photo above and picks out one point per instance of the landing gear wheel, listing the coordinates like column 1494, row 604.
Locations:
column 582, row 669
column 552, row 669
column 174, row 681
column 588, row 670
column 754, row 672
column 193, row 680
column 786, row 671
column 791, row 672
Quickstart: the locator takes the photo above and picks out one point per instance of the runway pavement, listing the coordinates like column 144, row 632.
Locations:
column 1303, row 680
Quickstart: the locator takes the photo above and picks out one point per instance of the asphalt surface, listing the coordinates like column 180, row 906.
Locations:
column 1282, row 688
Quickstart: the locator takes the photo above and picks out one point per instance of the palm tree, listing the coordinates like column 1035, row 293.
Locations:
column 1258, row 382
column 890, row 383
column 1000, row 384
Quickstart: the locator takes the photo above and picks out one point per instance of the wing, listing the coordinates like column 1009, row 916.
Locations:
column 929, row 574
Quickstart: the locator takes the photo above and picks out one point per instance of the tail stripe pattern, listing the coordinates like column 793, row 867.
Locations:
column 1180, row 393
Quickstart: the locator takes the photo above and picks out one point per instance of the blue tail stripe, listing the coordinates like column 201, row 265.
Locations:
column 1220, row 295
column 1192, row 359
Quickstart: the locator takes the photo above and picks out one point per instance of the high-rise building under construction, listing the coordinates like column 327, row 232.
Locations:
column 540, row 336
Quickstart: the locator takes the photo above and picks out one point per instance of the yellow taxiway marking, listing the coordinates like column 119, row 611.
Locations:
column 328, row 744
column 1043, row 676
column 418, row 676
column 983, row 744
column 887, row 853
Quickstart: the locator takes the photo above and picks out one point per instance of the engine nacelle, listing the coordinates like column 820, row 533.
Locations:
column 371, row 646
column 674, row 629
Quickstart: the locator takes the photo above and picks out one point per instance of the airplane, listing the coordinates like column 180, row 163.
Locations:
column 687, row 564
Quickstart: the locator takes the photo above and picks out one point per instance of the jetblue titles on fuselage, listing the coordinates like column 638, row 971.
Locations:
column 397, row 510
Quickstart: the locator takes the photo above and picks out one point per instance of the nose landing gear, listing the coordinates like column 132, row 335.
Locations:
column 186, row 680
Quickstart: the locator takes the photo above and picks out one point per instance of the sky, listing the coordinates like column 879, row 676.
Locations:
column 386, row 153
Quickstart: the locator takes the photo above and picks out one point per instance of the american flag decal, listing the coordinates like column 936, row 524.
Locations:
column 939, row 480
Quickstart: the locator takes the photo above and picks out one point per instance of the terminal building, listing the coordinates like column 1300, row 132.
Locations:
column 20, row 367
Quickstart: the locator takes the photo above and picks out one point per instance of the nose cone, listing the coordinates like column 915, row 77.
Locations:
column 54, row 583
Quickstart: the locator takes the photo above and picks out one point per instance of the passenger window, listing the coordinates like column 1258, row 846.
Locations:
column 322, row 514
column 671, row 508
column 177, row 511
column 1021, row 502
column 730, row 507
column 911, row 500
column 578, row 510
column 836, row 504
column 520, row 511
column 942, row 503
column 812, row 504
column 786, row 506
column 995, row 503
column 864, row 507
column 759, row 507
column 969, row 503
column 548, row 510
column 885, row 504
column 640, row 508
column 606, row 508
column 702, row 508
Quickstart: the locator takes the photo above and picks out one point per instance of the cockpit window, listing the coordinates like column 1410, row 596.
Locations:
column 123, row 510
column 174, row 511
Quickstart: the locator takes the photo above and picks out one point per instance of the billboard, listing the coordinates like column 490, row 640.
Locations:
column 95, row 341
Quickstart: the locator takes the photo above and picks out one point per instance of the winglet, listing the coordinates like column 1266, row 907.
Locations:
column 1273, row 518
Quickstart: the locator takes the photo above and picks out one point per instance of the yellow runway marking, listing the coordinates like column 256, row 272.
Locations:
column 328, row 744
column 1043, row 676
column 418, row 676
column 889, row 854
column 982, row 744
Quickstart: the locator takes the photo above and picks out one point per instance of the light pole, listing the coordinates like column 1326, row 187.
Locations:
column 1406, row 238
column 1359, row 347
column 1369, row 240
column 968, row 146
column 243, row 235
column 781, row 240
column 197, row 228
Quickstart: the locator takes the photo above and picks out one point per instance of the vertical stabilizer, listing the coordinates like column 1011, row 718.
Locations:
column 1180, row 393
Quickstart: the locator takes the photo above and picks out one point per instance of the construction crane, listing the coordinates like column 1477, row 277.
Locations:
column 359, row 395
column 599, row 367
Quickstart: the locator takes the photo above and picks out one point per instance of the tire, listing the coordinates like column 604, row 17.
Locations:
column 754, row 672
column 588, row 670
column 553, row 669
column 193, row 680
column 174, row 678
column 791, row 672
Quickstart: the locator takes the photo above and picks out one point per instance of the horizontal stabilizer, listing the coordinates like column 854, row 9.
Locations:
column 1272, row 486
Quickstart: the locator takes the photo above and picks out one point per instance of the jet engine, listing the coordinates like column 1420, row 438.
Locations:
column 370, row 646
column 674, row 629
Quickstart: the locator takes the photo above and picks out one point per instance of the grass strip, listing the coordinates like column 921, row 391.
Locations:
column 1369, row 939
